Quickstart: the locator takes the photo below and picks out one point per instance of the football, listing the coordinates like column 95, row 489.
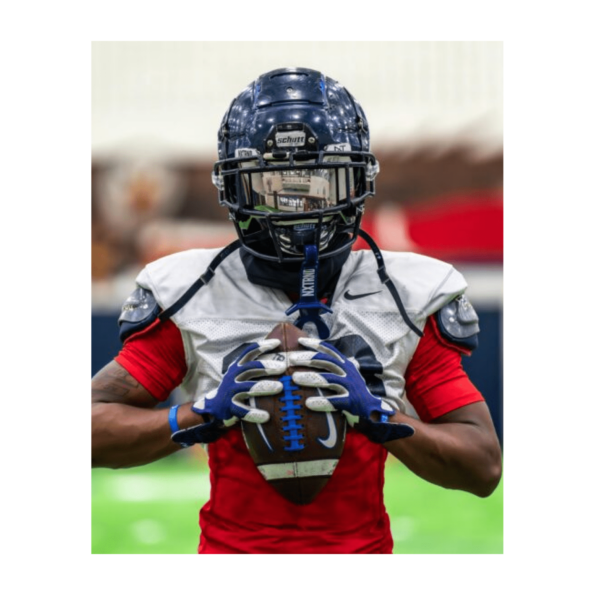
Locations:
column 296, row 450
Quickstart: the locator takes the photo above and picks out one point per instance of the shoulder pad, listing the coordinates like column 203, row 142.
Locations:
column 424, row 283
column 459, row 324
column 138, row 312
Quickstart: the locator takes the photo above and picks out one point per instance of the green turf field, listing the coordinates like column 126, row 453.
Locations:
column 154, row 510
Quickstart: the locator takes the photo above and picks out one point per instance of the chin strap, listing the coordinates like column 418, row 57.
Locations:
column 200, row 282
column 386, row 280
column 309, row 306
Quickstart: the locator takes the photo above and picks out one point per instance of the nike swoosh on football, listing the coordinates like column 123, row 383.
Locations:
column 350, row 296
column 331, row 440
column 252, row 402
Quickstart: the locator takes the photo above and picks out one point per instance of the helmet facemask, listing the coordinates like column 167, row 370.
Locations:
column 293, row 199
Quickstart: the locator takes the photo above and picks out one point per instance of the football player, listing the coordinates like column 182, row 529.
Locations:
column 387, row 331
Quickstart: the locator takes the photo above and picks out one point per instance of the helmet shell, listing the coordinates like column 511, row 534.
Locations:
column 286, row 96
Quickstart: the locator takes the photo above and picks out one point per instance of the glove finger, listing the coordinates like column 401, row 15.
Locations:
column 312, row 379
column 309, row 359
column 266, row 387
column 258, row 369
column 327, row 405
column 256, row 416
column 250, row 414
column 321, row 347
column 312, row 359
column 321, row 404
column 255, row 349
column 386, row 408
column 261, row 388
column 326, row 381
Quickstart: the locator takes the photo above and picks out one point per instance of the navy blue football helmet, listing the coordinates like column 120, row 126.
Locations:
column 295, row 165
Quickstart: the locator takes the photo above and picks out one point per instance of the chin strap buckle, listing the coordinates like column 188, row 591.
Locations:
column 309, row 305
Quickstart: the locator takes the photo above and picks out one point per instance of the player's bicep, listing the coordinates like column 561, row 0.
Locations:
column 114, row 384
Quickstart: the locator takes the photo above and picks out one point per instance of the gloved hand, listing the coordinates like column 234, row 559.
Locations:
column 367, row 412
column 224, row 406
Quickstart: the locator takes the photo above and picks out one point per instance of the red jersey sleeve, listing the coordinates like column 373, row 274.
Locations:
column 435, row 380
column 155, row 357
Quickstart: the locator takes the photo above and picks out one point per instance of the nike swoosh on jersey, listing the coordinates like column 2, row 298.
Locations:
column 349, row 296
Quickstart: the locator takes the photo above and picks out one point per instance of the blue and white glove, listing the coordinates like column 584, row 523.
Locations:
column 353, row 397
column 232, row 399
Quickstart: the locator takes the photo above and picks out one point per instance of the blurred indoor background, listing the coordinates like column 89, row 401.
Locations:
column 435, row 111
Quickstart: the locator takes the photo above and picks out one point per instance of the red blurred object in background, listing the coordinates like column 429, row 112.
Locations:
column 461, row 227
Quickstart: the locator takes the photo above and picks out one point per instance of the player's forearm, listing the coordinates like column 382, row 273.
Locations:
column 459, row 456
column 127, row 436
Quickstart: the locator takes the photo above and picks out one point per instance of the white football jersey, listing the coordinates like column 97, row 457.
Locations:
column 230, row 310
